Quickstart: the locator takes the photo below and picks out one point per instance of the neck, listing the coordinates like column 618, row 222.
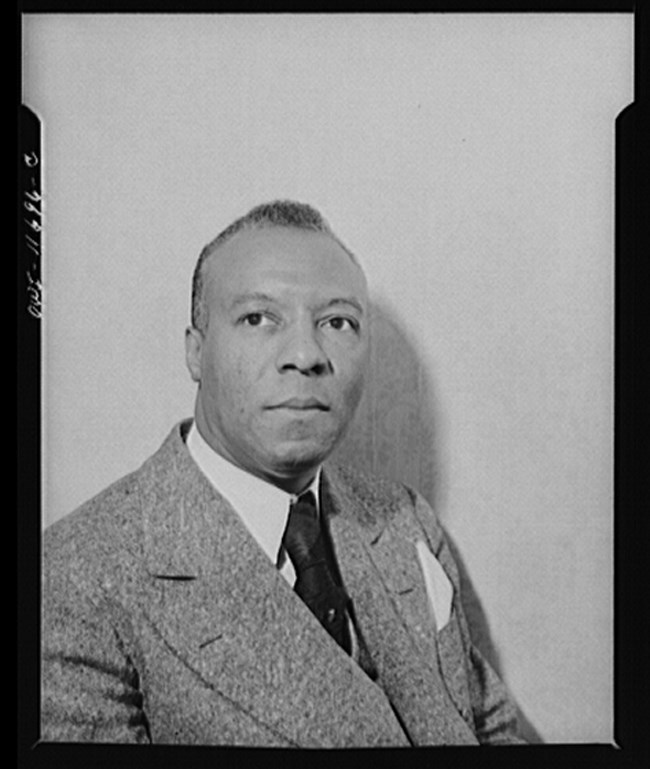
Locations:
column 293, row 485
column 292, row 482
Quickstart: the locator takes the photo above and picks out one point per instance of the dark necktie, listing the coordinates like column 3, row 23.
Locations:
column 305, row 544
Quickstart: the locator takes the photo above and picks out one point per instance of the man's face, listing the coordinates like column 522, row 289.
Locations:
column 281, row 365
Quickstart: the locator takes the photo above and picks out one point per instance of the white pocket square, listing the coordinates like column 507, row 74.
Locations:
column 439, row 588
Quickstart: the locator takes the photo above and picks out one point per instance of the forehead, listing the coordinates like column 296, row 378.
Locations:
column 281, row 259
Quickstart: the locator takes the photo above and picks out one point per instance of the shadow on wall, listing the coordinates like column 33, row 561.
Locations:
column 397, row 434
column 393, row 433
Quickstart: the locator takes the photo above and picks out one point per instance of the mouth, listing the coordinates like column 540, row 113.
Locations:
column 301, row 404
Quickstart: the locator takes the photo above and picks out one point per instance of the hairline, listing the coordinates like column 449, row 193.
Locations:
column 200, row 322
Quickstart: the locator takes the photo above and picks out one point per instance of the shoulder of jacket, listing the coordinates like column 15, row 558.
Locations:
column 371, row 489
column 100, row 510
column 384, row 501
column 97, row 541
column 114, row 512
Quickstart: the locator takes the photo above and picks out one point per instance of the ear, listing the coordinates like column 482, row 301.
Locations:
column 193, row 348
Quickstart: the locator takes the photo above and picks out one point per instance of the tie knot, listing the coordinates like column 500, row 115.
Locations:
column 304, row 506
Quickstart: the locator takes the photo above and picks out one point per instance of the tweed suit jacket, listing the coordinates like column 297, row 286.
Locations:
column 163, row 621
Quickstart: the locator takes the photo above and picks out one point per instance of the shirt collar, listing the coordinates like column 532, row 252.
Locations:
column 262, row 506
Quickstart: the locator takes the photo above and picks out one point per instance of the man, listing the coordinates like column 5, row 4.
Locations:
column 238, row 589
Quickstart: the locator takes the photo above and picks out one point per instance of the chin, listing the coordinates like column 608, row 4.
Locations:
column 301, row 458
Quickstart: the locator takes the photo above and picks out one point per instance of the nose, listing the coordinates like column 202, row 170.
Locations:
column 302, row 351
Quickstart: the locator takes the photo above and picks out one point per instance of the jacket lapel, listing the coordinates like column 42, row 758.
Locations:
column 226, row 611
column 379, row 566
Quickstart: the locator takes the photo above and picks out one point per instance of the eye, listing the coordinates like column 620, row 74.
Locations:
column 255, row 319
column 341, row 323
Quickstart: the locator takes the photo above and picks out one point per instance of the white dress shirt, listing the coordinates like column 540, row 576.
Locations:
column 263, row 507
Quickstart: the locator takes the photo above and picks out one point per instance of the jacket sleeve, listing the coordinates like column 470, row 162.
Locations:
column 494, row 712
column 89, row 685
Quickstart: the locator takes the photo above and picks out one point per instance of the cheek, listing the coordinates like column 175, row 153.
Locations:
column 231, row 385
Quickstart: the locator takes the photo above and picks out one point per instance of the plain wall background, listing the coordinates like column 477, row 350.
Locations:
column 468, row 161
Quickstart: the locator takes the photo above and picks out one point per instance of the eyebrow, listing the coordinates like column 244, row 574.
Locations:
column 344, row 300
column 262, row 297
column 255, row 296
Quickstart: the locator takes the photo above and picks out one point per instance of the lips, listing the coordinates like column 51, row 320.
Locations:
column 301, row 404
